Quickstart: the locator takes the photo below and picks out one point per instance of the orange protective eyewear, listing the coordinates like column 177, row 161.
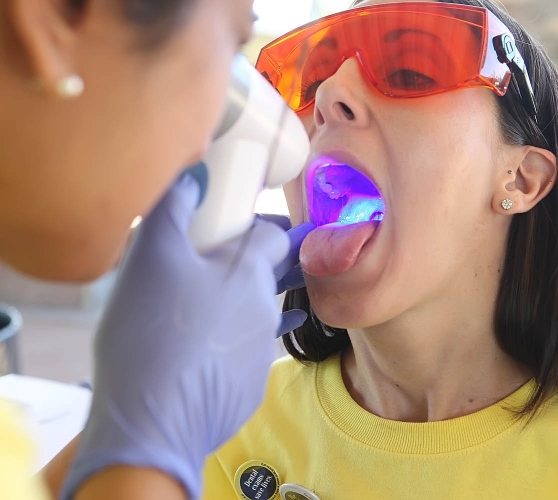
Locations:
column 410, row 49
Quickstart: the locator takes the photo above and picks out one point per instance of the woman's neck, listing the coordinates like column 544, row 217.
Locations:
column 418, row 370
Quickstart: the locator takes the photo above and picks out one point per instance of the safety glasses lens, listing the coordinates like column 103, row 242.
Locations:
column 403, row 51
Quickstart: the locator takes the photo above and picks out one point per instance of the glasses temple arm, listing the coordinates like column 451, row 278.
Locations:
column 508, row 54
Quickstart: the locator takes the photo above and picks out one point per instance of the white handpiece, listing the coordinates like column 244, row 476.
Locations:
column 261, row 143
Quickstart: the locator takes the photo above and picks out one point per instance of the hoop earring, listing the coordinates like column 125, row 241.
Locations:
column 507, row 204
column 70, row 87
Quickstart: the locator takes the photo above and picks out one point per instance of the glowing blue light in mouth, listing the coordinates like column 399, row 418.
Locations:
column 339, row 193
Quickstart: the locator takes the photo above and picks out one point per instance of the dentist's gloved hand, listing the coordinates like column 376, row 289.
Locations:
column 184, row 348
column 289, row 274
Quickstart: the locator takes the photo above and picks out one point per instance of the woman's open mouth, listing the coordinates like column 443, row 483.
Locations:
column 347, row 207
column 338, row 193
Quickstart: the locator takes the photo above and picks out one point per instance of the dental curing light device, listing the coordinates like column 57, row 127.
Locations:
column 260, row 144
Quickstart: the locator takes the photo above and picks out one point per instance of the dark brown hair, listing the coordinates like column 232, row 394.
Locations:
column 526, row 315
column 154, row 18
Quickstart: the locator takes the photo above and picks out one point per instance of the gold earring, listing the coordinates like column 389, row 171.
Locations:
column 70, row 87
column 507, row 204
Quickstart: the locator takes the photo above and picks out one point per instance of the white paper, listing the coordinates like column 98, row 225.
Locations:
column 57, row 412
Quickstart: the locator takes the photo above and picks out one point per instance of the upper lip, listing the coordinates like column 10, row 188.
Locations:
column 342, row 158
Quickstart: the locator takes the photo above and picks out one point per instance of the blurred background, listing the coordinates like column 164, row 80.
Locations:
column 58, row 321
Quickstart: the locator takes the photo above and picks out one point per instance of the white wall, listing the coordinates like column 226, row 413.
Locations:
column 278, row 17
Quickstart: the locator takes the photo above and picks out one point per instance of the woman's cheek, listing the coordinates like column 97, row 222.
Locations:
column 294, row 189
column 294, row 196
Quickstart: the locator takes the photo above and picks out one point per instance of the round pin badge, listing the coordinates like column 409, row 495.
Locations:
column 256, row 480
column 296, row 492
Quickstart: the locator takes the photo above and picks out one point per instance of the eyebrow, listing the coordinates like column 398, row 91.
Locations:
column 395, row 35
column 330, row 43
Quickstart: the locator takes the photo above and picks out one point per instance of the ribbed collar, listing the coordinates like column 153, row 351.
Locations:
column 445, row 436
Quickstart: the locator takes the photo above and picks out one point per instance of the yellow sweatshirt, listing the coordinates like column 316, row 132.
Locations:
column 16, row 459
column 310, row 432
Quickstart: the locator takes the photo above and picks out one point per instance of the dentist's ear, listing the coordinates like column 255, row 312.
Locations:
column 526, row 181
column 46, row 32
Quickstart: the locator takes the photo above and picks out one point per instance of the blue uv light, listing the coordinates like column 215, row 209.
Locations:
column 339, row 193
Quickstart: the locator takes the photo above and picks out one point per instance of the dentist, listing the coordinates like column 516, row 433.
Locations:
column 103, row 103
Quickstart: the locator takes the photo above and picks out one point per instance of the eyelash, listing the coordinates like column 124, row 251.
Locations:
column 417, row 75
column 306, row 86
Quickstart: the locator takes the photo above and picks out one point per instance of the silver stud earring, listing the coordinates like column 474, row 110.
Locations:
column 507, row 204
column 70, row 87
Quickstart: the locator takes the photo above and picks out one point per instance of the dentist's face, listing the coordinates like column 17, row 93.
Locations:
column 74, row 174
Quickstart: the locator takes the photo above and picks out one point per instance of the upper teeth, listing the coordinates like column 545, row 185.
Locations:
column 325, row 186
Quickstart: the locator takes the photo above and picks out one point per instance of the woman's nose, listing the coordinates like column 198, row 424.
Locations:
column 342, row 98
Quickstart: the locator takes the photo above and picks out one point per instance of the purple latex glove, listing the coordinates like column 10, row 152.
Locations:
column 184, row 348
column 289, row 274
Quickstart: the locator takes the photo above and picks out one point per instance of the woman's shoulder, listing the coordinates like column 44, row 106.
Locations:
column 287, row 370
column 546, row 418
column 290, row 378
column 289, row 413
column 291, row 400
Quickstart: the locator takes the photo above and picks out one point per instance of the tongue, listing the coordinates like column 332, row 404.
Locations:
column 334, row 248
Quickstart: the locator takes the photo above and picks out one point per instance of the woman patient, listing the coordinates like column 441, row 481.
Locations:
column 429, row 369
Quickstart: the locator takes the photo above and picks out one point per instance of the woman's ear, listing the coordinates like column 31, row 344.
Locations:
column 527, row 180
column 45, row 30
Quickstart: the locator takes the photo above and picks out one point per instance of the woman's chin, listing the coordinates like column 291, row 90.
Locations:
column 338, row 314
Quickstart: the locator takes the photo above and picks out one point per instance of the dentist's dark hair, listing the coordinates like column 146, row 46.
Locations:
column 526, row 313
column 155, row 19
